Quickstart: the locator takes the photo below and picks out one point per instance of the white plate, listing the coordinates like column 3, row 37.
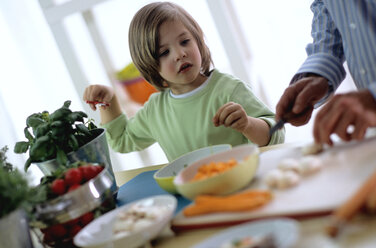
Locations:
column 99, row 232
column 285, row 233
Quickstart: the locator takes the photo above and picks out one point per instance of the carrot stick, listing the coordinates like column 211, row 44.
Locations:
column 371, row 201
column 250, row 193
column 212, row 204
column 240, row 205
column 345, row 212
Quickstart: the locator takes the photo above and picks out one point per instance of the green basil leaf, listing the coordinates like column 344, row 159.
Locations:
column 73, row 143
column 91, row 125
column 50, row 153
column 27, row 164
column 21, row 147
column 61, row 157
column 42, row 130
column 57, row 124
column 76, row 116
column 59, row 133
column 28, row 134
column 83, row 129
column 67, row 104
column 40, row 147
column 60, row 114
column 35, row 115
column 34, row 121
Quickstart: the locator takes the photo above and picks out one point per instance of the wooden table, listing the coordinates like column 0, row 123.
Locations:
column 361, row 232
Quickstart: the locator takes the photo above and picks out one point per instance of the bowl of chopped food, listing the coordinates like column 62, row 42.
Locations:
column 165, row 176
column 219, row 174
column 131, row 225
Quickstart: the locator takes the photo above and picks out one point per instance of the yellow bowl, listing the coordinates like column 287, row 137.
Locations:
column 223, row 183
column 165, row 176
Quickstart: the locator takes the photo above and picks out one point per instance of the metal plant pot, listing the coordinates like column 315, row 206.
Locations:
column 67, row 211
column 75, row 203
column 14, row 230
column 96, row 151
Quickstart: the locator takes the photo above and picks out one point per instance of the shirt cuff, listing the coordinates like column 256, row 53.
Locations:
column 279, row 136
column 372, row 89
column 327, row 66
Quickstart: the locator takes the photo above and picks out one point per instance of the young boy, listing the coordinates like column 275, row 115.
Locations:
column 196, row 106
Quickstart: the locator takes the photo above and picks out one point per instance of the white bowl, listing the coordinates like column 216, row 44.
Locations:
column 223, row 183
column 99, row 233
column 284, row 231
column 165, row 176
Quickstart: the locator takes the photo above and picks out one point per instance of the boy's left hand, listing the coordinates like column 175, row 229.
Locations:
column 231, row 115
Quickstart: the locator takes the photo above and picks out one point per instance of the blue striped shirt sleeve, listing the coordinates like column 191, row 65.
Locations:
column 325, row 53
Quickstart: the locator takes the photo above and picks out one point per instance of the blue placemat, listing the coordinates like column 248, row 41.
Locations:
column 142, row 186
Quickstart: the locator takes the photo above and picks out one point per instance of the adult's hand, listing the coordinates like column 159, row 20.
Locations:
column 297, row 102
column 357, row 109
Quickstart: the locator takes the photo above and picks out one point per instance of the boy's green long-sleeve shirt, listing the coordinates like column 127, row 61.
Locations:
column 181, row 125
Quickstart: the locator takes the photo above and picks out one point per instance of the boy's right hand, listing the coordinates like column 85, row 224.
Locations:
column 98, row 93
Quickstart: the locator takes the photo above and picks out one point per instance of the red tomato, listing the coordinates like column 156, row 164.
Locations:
column 72, row 222
column 73, row 176
column 82, row 168
column 88, row 172
column 86, row 218
column 58, row 187
column 44, row 230
column 74, row 230
column 58, row 231
column 47, row 238
column 98, row 168
column 73, row 187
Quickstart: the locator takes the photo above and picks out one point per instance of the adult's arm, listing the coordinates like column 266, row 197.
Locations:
column 320, row 74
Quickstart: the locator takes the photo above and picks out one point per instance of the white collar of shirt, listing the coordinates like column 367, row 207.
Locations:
column 192, row 92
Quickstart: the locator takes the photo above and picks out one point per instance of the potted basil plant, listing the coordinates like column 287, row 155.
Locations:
column 61, row 138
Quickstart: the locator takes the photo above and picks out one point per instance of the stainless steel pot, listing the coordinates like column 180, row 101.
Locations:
column 96, row 151
column 73, row 204
column 14, row 230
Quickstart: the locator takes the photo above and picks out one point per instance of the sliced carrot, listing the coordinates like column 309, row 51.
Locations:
column 244, row 194
column 245, row 201
column 213, row 168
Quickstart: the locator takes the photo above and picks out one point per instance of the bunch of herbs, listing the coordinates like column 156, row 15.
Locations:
column 55, row 135
column 15, row 191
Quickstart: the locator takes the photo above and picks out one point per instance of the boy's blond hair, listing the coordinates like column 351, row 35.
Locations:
column 144, row 39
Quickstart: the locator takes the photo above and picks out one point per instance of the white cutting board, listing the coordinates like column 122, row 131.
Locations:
column 346, row 167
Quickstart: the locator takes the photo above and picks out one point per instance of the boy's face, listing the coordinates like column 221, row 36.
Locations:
column 179, row 58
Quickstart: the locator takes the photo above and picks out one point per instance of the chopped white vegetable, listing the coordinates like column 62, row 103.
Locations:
column 289, row 164
column 312, row 149
column 273, row 177
column 309, row 165
column 136, row 218
column 288, row 179
column 277, row 178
